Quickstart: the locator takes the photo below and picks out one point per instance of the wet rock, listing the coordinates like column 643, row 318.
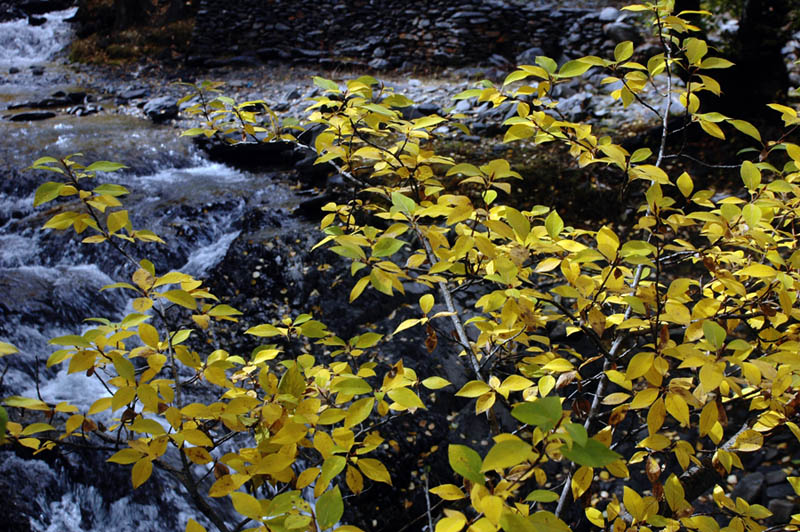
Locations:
column 133, row 93
column 379, row 64
column 36, row 21
column 13, row 70
column 249, row 156
column 37, row 70
column 775, row 477
column 161, row 109
column 31, row 116
column 749, row 487
column 779, row 491
column 782, row 511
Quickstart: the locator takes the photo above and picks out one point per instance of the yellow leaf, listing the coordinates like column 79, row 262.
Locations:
column 307, row 477
column 749, row 441
column 375, row 470
column 685, row 184
column 595, row 517
column 406, row 398
column 644, row 398
column 708, row 417
column 639, row 365
column 359, row 411
column 675, row 494
column 473, row 389
column 581, row 481
column 633, row 503
column 451, row 524
column 426, row 303
column 125, row 456
column 656, row 416
column 506, row 453
column 758, row 270
column 227, row 484
column 194, row 526
column 677, row 408
column 246, row 504
column 196, row 437
column 435, row 383
column 448, row 492
column 141, row 471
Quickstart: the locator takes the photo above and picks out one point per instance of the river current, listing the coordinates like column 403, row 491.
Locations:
column 50, row 283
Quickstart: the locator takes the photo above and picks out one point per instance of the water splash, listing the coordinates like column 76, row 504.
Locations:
column 22, row 45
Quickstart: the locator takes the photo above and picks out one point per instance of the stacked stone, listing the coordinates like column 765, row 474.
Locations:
column 396, row 33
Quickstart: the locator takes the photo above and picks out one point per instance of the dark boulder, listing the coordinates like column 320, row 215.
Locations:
column 31, row 116
column 161, row 109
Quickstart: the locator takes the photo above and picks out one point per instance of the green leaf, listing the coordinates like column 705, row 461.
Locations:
column 623, row 51
column 506, row 453
column 714, row 333
column 403, row 203
column 386, row 247
column 751, row 175
column 329, row 508
column 3, row 423
column 223, row 310
column 47, row 192
column 325, row 84
column 71, row 339
column 544, row 412
column 554, row 224
column 111, row 190
column 542, row 496
column 466, row 462
column 577, row 432
column 104, row 166
column 593, row 454
column 573, row 68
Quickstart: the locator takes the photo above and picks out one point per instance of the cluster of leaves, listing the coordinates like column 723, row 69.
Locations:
column 690, row 311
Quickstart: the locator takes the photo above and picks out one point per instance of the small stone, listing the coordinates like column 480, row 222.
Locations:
column 609, row 14
column 782, row 511
column 775, row 477
column 749, row 487
column 732, row 480
column 13, row 70
column 379, row 64
column 779, row 491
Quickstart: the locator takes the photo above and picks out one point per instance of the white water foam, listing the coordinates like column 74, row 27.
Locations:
column 22, row 45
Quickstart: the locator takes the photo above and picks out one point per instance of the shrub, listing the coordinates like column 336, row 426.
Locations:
column 689, row 312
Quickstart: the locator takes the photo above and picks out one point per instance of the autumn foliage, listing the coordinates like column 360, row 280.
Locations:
column 689, row 311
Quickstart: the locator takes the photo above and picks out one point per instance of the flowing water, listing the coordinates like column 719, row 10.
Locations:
column 49, row 282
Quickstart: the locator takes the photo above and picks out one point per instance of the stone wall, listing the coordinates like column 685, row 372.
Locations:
column 393, row 33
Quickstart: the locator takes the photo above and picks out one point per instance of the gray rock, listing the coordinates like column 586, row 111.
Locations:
column 161, row 109
column 749, row 487
column 13, row 70
column 379, row 64
column 779, row 491
column 609, row 14
column 622, row 31
column 528, row 57
column 379, row 52
column 775, row 477
column 782, row 511
column 463, row 106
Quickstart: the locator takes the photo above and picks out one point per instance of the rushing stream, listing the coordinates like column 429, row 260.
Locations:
column 49, row 283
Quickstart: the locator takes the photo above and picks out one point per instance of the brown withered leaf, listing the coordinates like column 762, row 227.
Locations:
column 653, row 470
column 220, row 470
column 431, row 340
column 565, row 379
